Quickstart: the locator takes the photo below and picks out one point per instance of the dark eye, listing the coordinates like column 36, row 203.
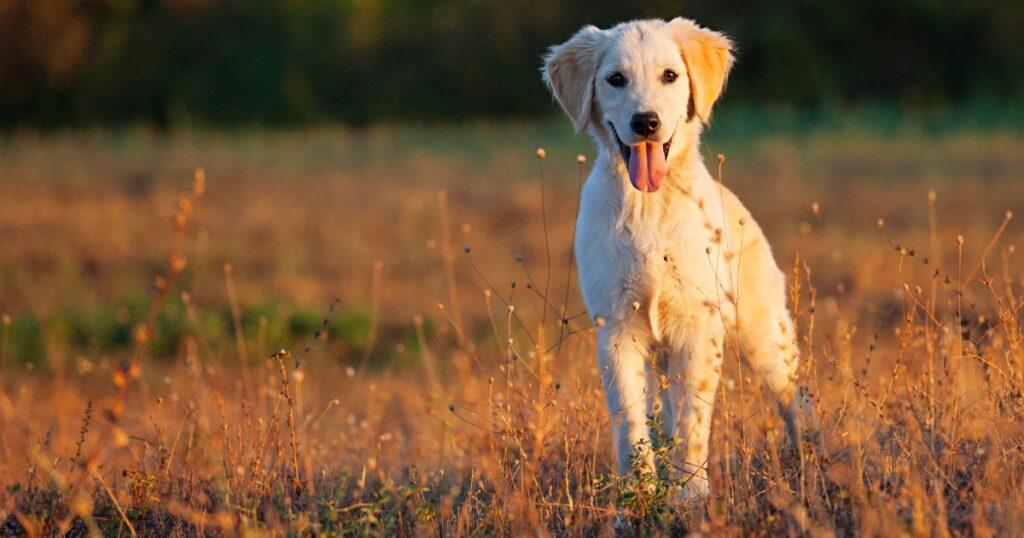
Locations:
column 617, row 79
column 669, row 76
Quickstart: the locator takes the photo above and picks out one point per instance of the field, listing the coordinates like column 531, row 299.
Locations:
column 310, row 332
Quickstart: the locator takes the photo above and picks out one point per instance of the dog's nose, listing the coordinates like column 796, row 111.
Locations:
column 645, row 123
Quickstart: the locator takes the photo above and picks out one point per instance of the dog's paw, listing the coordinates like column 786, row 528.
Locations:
column 622, row 527
column 801, row 416
column 695, row 491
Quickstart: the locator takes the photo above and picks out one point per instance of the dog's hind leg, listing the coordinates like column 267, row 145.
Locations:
column 774, row 357
column 768, row 340
column 622, row 354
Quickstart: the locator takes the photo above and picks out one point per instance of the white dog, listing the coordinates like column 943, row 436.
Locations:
column 668, row 258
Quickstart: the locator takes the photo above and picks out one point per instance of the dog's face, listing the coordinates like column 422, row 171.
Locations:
column 639, row 87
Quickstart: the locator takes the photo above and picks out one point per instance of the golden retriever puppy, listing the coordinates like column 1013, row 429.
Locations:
column 669, row 260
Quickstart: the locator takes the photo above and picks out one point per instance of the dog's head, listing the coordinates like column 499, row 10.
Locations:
column 639, row 88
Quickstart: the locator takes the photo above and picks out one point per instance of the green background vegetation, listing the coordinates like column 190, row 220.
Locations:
column 294, row 62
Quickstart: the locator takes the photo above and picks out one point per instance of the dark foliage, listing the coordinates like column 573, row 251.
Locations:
column 287, row 62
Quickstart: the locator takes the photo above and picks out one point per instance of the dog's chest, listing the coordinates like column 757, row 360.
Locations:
column 673, row 273
column 673, row 267
column 656, row 263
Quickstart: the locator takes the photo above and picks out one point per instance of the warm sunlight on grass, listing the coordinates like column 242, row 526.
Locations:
column 335, row 332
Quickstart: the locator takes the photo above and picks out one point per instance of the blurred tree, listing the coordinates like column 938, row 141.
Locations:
column 287, row 62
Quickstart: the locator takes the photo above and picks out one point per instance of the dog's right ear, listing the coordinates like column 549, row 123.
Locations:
column 569, row 71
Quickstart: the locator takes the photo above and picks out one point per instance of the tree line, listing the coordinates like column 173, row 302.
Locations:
column 295, row 62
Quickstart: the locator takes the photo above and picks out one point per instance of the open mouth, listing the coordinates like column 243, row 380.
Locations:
column 625, row 151
column 646, row 162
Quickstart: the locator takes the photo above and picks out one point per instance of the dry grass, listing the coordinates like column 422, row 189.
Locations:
column 448, row 412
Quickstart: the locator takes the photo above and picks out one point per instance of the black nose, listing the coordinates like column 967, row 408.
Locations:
column 645, row 123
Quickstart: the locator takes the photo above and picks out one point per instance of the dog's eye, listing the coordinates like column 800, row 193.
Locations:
column 617, row 79
column 669, row 76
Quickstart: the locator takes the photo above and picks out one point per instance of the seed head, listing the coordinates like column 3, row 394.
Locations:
column 119, row 438
column 199, row 183
column 140, row 334
column 720, row 158
column 176, row 261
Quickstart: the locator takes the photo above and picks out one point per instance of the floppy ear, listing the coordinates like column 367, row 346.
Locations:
column 708, row 57
column 569, row 71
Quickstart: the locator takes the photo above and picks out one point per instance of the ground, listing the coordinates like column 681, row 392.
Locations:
column 142, row 307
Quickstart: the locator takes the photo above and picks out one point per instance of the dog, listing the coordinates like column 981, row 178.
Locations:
column 669, row 260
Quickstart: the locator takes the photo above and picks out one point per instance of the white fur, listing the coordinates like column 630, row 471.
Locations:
column 679, row 270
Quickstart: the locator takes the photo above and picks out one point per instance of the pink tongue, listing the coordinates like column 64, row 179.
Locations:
column 646, row 166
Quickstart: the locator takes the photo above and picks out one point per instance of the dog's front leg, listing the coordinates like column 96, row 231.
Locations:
column 694, row 373
column 622, row 354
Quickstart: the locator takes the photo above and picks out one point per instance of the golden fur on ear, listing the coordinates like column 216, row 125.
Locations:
column 569, row 71
column 708, row 57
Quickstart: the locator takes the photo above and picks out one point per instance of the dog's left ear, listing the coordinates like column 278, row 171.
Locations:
column 708, row 57
column 569, row 71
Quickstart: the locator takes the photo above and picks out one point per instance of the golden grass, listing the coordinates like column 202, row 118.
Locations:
column 469, row 407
